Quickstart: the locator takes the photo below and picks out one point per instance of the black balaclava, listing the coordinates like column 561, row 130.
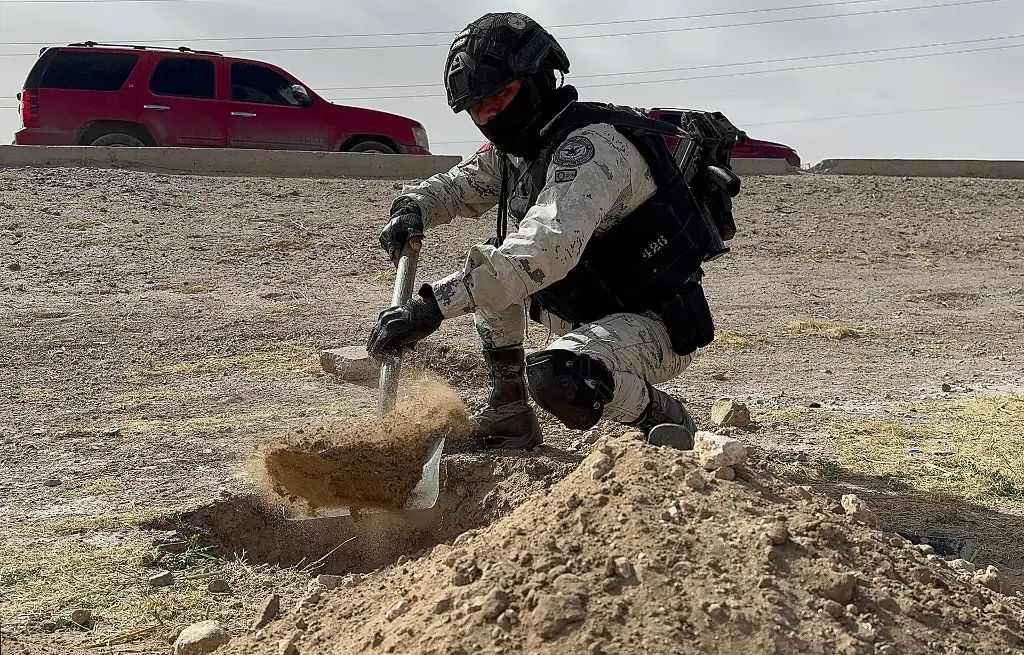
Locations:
column 515, row 130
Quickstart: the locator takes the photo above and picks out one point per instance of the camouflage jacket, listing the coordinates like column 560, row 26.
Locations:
column 597, row 177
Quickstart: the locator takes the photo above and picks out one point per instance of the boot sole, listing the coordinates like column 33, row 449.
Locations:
column 671, row 435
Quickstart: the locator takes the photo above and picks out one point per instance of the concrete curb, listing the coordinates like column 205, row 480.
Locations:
column 992, row 169
column 231, row 161
column 747, row 167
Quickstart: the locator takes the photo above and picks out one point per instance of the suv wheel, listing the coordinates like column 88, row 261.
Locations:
column 373, row 147
column 118, row 140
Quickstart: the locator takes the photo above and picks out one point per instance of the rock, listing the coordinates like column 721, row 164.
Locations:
column 351, row 364
column 695, row 480
column 777, row 534
column 725, row 473
column 961, row 565
column 397, row 610
column 946, row 388
column 590, row 437
column 200, row 638
column 161, row 579
column 730, row 413
column 218, row 586
column 48, row 626
column 839, row 587
column 287, row 646
column 508, row 620
column 495, row 603
column 332, row 582
column 268, row 612
column 555, row 614
column 990, row 578
column 858, row 509
column 677, row 471
column 832, row 608
column 633, row 435
column 14, row 266
column 53, row 482
column 925, row 548
column 314, row 590
column 601, row 465
column 715, row 451
column 442, row 604
column 465, row 571
column 82, row 617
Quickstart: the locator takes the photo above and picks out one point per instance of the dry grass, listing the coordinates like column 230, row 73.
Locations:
column 293, row 359
column 81, row 224
column 732, row 339
column 184, row 287
column 54, row 574
column 823, row 328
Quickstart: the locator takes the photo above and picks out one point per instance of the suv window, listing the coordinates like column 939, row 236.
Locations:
column 185, row 77
column 252, row 83
column 88, row 71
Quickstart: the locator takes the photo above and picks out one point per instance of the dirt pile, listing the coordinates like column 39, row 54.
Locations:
column 644, row 549
column 362, row 462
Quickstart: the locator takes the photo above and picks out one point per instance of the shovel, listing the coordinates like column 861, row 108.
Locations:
column 424, row 494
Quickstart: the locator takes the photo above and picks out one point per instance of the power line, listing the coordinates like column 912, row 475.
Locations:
column 722, row 75
column 711, row 66
column 452, row 33
column 818, row 119
column 598, row 36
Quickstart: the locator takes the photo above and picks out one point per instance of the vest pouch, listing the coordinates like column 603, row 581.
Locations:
column 688, row 319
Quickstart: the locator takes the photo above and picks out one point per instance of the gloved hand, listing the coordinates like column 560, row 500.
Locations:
column 405, row 224
column 403, row 326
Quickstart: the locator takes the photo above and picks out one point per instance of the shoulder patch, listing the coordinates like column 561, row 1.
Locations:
column 565, row 175
column 575, row 151
column 485, row 147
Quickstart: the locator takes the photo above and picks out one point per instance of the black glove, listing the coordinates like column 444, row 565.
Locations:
column 403, row 326
column 404, row 223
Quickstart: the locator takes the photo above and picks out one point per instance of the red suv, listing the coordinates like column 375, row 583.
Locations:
column 748, row 149
column 109, row 95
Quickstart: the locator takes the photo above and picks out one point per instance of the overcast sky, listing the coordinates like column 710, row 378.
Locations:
column 785, row 106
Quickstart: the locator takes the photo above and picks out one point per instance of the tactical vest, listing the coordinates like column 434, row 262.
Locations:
column 650, row 261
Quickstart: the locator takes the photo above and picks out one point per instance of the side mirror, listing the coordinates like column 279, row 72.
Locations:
column 302, row 95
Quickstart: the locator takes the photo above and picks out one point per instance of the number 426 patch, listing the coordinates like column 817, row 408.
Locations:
column 565, row 175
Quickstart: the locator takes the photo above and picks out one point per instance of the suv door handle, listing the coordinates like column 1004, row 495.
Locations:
column 156, row 107
column 244, row 114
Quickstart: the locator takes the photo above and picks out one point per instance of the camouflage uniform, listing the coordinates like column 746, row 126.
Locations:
column 597, row 178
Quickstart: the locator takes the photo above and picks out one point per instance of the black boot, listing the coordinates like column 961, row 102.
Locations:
column 507, row 420
column 665, row 422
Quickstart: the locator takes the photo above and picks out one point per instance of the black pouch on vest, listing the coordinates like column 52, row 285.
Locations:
column 688, row 319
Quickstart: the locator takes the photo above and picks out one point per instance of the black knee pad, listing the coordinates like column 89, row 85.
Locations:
column 573, row 387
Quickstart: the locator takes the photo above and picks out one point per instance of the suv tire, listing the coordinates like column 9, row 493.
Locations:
column 372, row 147
column 118, row 140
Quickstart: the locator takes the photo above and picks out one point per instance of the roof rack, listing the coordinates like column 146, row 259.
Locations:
column 90, row 44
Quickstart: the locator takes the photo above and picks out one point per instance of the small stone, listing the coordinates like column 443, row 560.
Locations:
column 946, row 387
column 590, row 437
column 82, row 617
column 716, row 611
column 397, row 610
column 725, row 473
column 314, row 590
column 111, row 432
column 600, row 466
column 777, row 533
column 161, row 579
column 990, row 578
column 633, row 435
column 695, row 480
column 508, row 620
column 351, row 364
column 866, row 631
column 48, row 626
column 730, row 413
column 200, row 638
column 925, row 548
column 494, row 604
column 832, row 608
column 859, row 510
column 53, row 482
column 218, row 586
column 804, row 492
column 624, row 568
column 839, row 587
column 268, row 612
column 442, row 604
column 465, row 571
column 14, row 266
column 677, row 471
column 715, row 451
column 961, row 565
column 288, row 645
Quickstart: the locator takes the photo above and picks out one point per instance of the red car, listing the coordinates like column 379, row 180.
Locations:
column 110, row 95
column 749, row 149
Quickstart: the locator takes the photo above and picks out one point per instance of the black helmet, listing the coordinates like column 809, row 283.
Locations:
column 494, row 50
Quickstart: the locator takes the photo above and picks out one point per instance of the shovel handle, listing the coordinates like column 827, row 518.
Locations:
column 387, row 390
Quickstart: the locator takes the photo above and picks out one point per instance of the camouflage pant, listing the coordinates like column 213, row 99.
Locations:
column 635, row 347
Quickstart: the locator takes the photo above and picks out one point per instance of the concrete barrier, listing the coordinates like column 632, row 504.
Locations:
column 994, row 169
column 231, row 161
column 747, row 167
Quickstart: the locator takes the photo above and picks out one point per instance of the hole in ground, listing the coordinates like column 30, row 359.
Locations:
column 476, row 491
